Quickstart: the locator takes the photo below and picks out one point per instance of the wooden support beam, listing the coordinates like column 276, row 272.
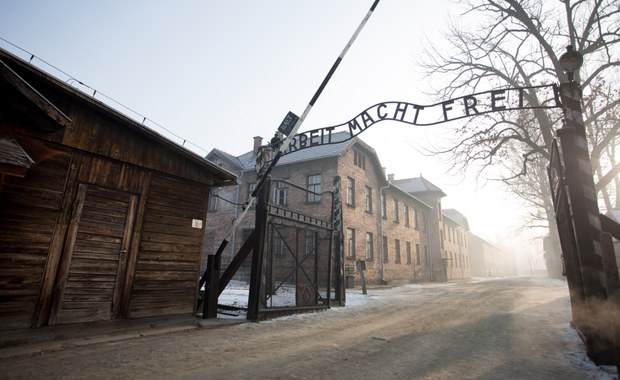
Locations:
column 237, row 261
column 33, row 95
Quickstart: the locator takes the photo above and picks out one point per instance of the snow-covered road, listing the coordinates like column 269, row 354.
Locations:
column 494, row 329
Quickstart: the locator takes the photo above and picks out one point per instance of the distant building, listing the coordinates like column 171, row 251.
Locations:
column 383, row 224
column 488, row 260
column 394, row 226
column 455, row 245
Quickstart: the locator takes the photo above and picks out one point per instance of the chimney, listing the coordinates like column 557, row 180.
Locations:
column 258, row 141
column 390, row 178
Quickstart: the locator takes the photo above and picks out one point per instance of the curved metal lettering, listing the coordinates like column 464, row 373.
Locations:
column 414, row 114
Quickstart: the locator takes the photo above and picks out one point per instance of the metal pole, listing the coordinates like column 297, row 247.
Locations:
column 258, row 254
column 585, row 212
column 289, row 139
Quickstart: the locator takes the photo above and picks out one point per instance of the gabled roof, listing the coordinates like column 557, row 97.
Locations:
column 456, row 217
column 418, row 185
column 20, row 75
column 411, row 196
column 232, row 160
column 320, row 151
column 342, row 140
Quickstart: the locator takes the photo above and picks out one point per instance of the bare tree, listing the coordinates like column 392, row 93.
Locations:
column 517, row 43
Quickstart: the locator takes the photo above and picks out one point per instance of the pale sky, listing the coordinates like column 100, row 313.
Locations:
column 218, row 73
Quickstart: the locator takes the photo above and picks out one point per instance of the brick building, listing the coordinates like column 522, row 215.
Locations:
column 455, row 245
column 394, row 226
column 488, row 260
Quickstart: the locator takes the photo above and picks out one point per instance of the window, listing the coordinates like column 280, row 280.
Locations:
column 427, row 258
column 359, row 160
column 385, row 249
column 397, row 251
column 408, row 253
column 418, row 260
column 280, row 194
column 383, row 213
column 406, row 213
column 314, row 184
column 442, row 238
column 368, row 199
column 310, row 248
column 416, row 224
column 279, row 246
column 251, row 188
column 369, row 250
column 395, row 211
column 213, row 199
column 350, row 191
column 350, row 242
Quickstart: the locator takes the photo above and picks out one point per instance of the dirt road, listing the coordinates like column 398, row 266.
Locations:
column 498, row 329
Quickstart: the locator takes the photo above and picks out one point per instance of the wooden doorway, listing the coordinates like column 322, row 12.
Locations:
column 91, row 278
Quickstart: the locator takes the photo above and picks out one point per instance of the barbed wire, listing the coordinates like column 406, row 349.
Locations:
column 71, row 80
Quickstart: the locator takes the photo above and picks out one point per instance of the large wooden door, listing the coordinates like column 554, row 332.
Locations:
column 92, row 273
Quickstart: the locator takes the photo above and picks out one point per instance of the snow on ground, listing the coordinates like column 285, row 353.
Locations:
column 236, row 294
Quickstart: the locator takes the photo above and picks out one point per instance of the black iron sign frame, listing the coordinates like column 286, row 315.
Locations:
column 480, row 103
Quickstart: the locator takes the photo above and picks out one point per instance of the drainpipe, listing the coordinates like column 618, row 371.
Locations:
column 381, row 222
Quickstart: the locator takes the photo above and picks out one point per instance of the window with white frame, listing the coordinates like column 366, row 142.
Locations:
column 350, row 242
column 369, row 244
column 314, row 185
column 213, row 199
column 310, row 243
column 409, row 253
column 396, row 211
column 383, row 209
column 406, row 214
column 385, row 249
column 368, row 199
column 350, row 191
column 279, row 248
column 397, row 251
column 418, row 259
column 280, row 194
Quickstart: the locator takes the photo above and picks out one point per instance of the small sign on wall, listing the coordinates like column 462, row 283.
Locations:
column 196, row 223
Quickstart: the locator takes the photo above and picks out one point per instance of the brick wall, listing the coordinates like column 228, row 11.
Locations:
column 358, row 165
column 455, row 250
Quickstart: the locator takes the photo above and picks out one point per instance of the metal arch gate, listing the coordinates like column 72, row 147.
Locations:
column 293, row 264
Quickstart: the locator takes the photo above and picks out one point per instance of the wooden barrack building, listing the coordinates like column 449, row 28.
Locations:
column 101, row 218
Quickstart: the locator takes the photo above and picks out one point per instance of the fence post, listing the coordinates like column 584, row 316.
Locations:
column 585, row 220
column 257, row 255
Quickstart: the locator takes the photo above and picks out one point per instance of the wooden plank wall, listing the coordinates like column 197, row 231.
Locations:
column 168, row 264
column 29, row 210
